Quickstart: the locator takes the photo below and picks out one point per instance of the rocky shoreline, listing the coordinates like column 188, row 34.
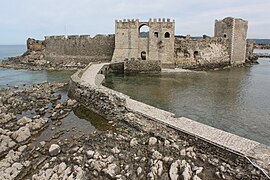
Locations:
column 130, row 150
column 37, row 65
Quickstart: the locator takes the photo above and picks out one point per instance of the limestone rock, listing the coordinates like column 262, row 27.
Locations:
column 79, row 172
column 111, row 170
column 54, row 177
column 58, row 106
column 156, row 155
column 24, row 121
column 198, row 170
column 115, row 150
column 97, row 165
column 186, row 174
column 183, row 152
column 61, row 167
column 4, row 118
column 42, row 143
column 195, row 177
column 152, row 141
column 139, row 171
column 90, row 153
column 173, row 172
column 22, row 148
column 166, row 143
column 38, row 124
column 133, row 142
column 54, row 150
column 6, row 143
column 21, row 134
column 71, row 102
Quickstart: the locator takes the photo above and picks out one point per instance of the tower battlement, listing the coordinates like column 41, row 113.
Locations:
column 132, row 43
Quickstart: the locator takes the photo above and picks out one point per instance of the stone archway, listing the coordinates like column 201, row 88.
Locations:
column 144, row 31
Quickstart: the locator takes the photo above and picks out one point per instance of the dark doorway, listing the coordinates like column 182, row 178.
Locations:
column 143, row 55
column 196, row 54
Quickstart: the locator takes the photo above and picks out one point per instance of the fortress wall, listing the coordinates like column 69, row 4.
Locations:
column 201, row 52
column 239, row 42
column 34, row 45
column 250, row 48
column 161, row 47
column 235, row 30
column 141, row 66
column 79, row 49
column 126, row 40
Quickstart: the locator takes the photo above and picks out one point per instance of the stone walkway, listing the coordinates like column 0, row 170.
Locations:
column 221, row 138
column 228, row 141
column 89, row 76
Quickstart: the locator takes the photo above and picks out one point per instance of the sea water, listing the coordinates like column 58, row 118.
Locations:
column 235, row 100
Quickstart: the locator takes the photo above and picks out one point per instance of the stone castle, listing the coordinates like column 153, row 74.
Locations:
column 158, row 48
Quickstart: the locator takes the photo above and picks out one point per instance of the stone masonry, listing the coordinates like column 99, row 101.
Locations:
column 235, row 30
column 228, row 47
column 79, row 49
column 155, row 45
column 200, row 53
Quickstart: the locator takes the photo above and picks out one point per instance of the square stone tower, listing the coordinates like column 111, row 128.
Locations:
column 235, row 30
column 155, row 45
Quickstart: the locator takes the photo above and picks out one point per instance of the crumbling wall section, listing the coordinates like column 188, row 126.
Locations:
column 35, row 45
column 235, row 30
column 199, row 53
column 79, row 49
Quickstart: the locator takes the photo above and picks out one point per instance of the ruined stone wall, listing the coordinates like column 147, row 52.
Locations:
column 35, row 45
column 79, row 49
column 239, row 42
column 205, row 52
column 235, row 30
column 250, row 49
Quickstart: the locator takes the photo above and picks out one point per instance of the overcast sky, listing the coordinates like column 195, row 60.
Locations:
column 20, row 19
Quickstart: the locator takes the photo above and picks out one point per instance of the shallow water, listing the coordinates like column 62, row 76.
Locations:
column 12, row 77
column 79, row 121
column 235, row 100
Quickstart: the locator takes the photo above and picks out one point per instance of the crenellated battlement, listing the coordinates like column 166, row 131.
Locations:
column 133, row 23
column 76, row 37
column 154, row 40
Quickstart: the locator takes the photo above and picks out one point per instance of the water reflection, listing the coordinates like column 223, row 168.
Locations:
column 235, row 100
column 96, row 120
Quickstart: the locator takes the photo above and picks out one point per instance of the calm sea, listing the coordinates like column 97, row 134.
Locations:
column 235, row 100
column 12, row 77
column 11, row 50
